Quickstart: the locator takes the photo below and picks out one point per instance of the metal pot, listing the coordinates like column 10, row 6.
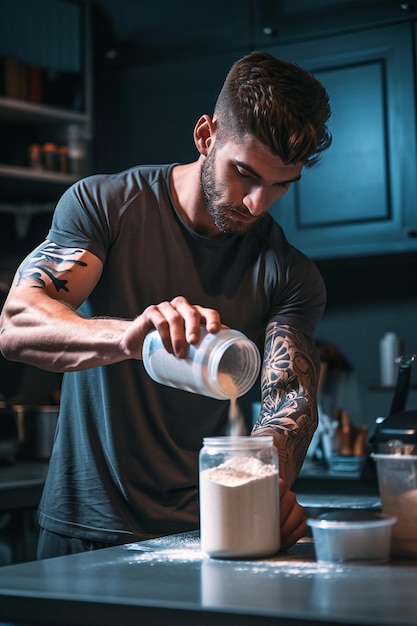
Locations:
column 37, row 425
column 399, row 425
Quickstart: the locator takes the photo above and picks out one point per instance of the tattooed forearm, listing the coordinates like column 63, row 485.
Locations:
column 51, row 261
column 288, row 389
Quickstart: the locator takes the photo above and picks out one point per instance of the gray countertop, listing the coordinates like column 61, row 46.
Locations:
column 171, row 579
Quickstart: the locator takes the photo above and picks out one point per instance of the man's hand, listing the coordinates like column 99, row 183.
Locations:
column 50, row 285
column 178, row 322
column 293, row 519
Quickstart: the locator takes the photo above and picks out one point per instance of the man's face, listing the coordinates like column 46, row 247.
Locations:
column 240, row 182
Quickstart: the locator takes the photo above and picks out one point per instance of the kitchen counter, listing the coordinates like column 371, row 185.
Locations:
column 169, row 580
column 316, row 478
column 21, row 485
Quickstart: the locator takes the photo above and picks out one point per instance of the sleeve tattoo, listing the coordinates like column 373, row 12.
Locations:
column 289, row 393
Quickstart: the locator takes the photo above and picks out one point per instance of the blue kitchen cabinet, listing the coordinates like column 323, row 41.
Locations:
column 362, row 197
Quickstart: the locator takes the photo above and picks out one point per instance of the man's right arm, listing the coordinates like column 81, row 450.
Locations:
column 40, row 324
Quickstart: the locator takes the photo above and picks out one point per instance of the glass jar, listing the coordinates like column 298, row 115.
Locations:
column 221, row 365
column 239, row 497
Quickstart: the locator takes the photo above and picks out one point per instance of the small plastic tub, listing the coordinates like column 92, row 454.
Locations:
column 352, row 536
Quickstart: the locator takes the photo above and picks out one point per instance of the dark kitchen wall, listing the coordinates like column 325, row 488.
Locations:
column 157, row 70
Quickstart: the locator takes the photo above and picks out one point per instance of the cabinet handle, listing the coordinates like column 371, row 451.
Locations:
column 411, row 233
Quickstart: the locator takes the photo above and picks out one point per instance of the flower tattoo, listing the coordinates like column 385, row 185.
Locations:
column 289, row 383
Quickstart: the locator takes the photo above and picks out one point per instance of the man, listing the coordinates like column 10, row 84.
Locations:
column 174, row 247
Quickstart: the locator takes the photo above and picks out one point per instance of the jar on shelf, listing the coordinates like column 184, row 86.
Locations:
column 35, row 156
column 63, row 160
column 50, row 157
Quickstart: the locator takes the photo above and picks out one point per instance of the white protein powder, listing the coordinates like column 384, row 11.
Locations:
column 404, row 532
column 236, row 426
column 236, row 422
column 239, row 509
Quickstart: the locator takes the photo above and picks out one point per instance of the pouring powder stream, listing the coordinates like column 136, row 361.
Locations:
column 236, row 422
column 239, row 499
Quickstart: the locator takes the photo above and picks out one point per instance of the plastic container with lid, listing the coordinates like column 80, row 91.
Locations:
column 221, row 365
column 396, row 467
column 239, row 497
column 352, row 535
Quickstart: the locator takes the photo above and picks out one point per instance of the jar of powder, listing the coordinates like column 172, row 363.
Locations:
column 239, row 497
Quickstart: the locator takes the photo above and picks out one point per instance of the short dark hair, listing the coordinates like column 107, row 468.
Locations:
column 280, row 103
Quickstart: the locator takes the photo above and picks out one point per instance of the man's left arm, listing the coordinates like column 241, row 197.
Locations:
column 289, row 396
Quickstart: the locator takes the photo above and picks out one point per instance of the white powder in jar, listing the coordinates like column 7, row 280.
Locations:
column 239, row 509
column 404, row 532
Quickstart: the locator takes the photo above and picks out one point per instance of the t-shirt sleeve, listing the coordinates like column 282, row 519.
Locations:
column 81, row 219
column 301, row 302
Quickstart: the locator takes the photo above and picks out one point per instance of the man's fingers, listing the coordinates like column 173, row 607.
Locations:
column 179, row 323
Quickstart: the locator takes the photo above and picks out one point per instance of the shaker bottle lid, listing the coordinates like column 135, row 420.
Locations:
column 395, row 447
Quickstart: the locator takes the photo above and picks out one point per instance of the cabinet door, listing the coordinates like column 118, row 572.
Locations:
column 361, row 198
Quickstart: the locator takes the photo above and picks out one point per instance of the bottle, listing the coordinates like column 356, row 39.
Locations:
column 389, row 350
column 76, row 151
column 50, row 157
column 222, row 365
column 63, row 159
column 35, row 156
column 239, row 497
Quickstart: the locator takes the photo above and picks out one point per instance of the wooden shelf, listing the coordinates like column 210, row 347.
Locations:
column 31, row 174
column 67, row 89
column 12, row 110
column 24, row 184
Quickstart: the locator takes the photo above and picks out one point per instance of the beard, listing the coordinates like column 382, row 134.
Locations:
column 213, row 193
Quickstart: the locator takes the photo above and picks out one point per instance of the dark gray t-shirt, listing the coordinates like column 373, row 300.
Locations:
column 125, row 460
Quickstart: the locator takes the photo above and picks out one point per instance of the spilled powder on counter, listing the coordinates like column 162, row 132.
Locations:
column 239, row 505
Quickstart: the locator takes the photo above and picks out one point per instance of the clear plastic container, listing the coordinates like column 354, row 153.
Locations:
column 397, row 481
column 352, row 535
column 239, row 497
column 221, row 365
